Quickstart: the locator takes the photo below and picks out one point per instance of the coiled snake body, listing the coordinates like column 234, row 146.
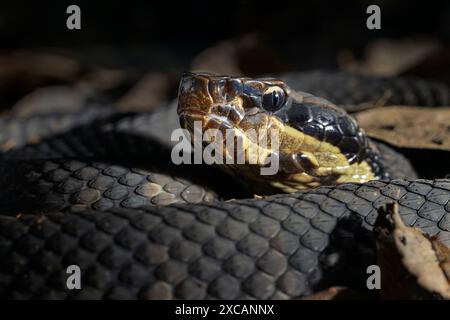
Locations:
column 101, row 192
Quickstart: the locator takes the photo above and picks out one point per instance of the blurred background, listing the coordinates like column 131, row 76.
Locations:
column 130, row 53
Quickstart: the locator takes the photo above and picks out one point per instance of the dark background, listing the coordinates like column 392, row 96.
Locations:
column 122, row 42
column 306, row 34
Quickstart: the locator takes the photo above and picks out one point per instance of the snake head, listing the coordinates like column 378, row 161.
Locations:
column 316, row 142
column 225, row 102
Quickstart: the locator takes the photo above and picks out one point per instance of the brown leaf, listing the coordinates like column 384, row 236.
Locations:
column 334, row 293
column 26, row 64
column 153, row 90
column 389, row 57
column 249, row 54
column 52, row 99
column 443, row 255
column 411, row 263
column 408, row 127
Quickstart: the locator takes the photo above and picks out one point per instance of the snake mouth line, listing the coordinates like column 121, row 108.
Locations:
column 193, row 112
column 207, row 121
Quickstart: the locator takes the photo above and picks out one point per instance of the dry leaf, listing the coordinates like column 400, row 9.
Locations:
column 411, row 263
column 408, row 127
column 152, row 91
column 334, row 293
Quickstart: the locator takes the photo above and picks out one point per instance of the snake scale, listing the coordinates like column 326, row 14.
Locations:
column 97, row 189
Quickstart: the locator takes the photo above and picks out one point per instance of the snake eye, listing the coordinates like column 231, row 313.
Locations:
column 273, row 99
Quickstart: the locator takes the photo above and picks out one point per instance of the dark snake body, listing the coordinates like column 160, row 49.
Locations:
column 83, row 196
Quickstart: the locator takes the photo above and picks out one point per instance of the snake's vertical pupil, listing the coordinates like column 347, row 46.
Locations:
column 273, row 99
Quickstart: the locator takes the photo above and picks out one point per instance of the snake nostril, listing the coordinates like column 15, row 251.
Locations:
column 388, row 127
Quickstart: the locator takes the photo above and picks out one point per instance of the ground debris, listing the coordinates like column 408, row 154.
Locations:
column 413, row 265
column 389, row 57
column 408, row 127
column 335, row 293
column 248, row 54
column 151, row 91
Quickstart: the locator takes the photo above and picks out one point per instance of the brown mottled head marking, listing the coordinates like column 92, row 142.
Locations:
column 318, row 142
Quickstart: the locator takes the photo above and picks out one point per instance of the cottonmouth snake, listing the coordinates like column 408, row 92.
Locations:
column 98, row 190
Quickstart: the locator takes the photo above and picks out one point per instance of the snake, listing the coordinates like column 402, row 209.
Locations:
column 98, row 189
